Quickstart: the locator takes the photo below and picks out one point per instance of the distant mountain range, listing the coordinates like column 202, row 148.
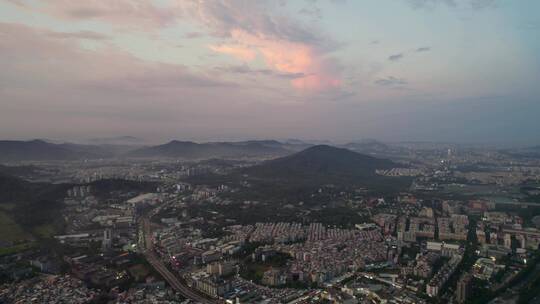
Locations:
column 192, row 150
column 41, row 150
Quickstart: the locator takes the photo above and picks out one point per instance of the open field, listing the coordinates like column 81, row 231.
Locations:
column 7, row 206
column 44, row 231
column 16, row 248
column 11, row 231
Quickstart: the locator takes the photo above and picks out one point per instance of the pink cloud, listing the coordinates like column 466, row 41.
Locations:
column 254, row 27
column 286, row 57
column 316, row 82
column 238, row 51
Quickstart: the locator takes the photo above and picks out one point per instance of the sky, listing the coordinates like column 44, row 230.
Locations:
column 343, row 70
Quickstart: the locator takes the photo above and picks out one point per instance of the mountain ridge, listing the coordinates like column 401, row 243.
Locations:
column 193, row 150
column 321, row 161
column 39, row 150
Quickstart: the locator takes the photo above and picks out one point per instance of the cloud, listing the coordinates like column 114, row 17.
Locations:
column 105, row 69
column 253, row 28
column 78, row 35
column 430, row 3
column 246, row 70
column 481, row 4
column 396, row 57
column 253, row 17
column 140, row 14
column 242, row 69
column 19, row 3
column 69, row 91
column 66, row 90
column 311, row 11
column 193, row 35
column 399, row 56
column 469, row 4
column 391, row 81
column 239, row 51
column 248, row 29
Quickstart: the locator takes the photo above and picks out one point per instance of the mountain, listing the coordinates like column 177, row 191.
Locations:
column 192, row 150
column 11, row 150
column 17, row 190
column 39, row 150
column 13, row 189
column 297, row 176
column 321, row 162
column 32, row 205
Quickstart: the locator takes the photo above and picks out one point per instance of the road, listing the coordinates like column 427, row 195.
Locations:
column 156, row 262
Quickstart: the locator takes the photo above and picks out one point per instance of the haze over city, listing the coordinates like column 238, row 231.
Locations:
column 404, row 70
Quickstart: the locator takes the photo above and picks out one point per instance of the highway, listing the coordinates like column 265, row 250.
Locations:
column 155, row 261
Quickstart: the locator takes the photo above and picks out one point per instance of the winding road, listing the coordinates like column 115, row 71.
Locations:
column 178, row 285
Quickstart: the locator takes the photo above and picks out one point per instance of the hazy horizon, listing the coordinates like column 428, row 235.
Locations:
column 139, row 141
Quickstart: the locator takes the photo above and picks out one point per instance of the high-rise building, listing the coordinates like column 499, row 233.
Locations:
column 107, row 239
column 221, row 268
column 508, row 240
column 463, row 288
